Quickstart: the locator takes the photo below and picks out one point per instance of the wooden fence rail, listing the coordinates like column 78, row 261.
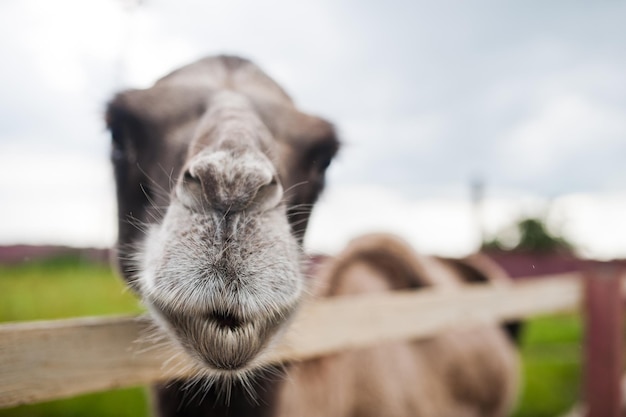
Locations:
column 55, row 359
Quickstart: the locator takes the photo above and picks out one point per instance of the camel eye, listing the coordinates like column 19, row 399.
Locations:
column 322, row 152
column 319, row 160
column 324, row 163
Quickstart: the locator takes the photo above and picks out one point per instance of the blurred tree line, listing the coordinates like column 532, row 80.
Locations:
column 530, row 234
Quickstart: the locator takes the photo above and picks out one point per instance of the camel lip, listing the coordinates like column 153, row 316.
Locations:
column 227, row 366
column 225, row 320
column 222, row 339
column 222, row 320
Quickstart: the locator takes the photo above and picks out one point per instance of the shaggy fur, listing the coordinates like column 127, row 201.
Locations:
column 216, row 174
column 462, row 372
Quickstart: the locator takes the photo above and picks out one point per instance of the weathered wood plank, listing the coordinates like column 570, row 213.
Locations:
column 48, row 360
column 604, row 342
column 336, row 324
column 57, row 359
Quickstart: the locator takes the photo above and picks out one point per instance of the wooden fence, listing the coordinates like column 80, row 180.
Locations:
column 48, row 360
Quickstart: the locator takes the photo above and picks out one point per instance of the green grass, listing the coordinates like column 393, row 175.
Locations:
column 119, row 403
column 551, row 363
column 61, row 288
column 67, row 288
column 551, row 350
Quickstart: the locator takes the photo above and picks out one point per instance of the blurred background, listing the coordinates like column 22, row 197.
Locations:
column 524, row 102
column 464, row 126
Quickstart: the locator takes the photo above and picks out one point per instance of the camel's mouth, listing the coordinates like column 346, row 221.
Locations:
column 225, row 320
column 222, row 287
column 222, row 341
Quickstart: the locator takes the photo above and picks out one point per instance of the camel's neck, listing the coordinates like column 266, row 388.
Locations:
column 177, row 398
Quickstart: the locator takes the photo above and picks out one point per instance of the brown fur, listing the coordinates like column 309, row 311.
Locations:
column 462, row 372
column 216, row 173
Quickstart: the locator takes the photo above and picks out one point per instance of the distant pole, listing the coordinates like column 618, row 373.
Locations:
column 478, row 196
column 604, row 344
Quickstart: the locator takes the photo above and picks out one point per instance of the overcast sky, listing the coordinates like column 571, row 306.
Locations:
column 529, row 97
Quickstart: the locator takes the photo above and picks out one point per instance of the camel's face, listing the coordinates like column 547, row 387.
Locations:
column 219, row 265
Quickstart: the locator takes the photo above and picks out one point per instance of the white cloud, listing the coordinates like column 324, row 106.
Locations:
column 23, row 168
column 595, row 223
column 62, row 37
column 416, row 133
column 283, row 37
column 60, row 198
column 432, row 226
column 563, row 127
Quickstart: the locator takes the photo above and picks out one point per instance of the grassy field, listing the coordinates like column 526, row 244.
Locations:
column 551, row 348
column 551, row 362
column 66, row 288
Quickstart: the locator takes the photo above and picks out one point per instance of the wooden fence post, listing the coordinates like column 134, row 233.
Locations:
column 603, row 365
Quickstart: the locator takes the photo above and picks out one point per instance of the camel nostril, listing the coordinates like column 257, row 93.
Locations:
column 188, row 177
column 189, row 189
column 268, row 195
column 225, row 320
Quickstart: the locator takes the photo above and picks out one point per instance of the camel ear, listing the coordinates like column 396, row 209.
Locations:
column 126, row 127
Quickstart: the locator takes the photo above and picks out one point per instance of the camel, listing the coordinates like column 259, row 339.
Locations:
column 216, row 174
